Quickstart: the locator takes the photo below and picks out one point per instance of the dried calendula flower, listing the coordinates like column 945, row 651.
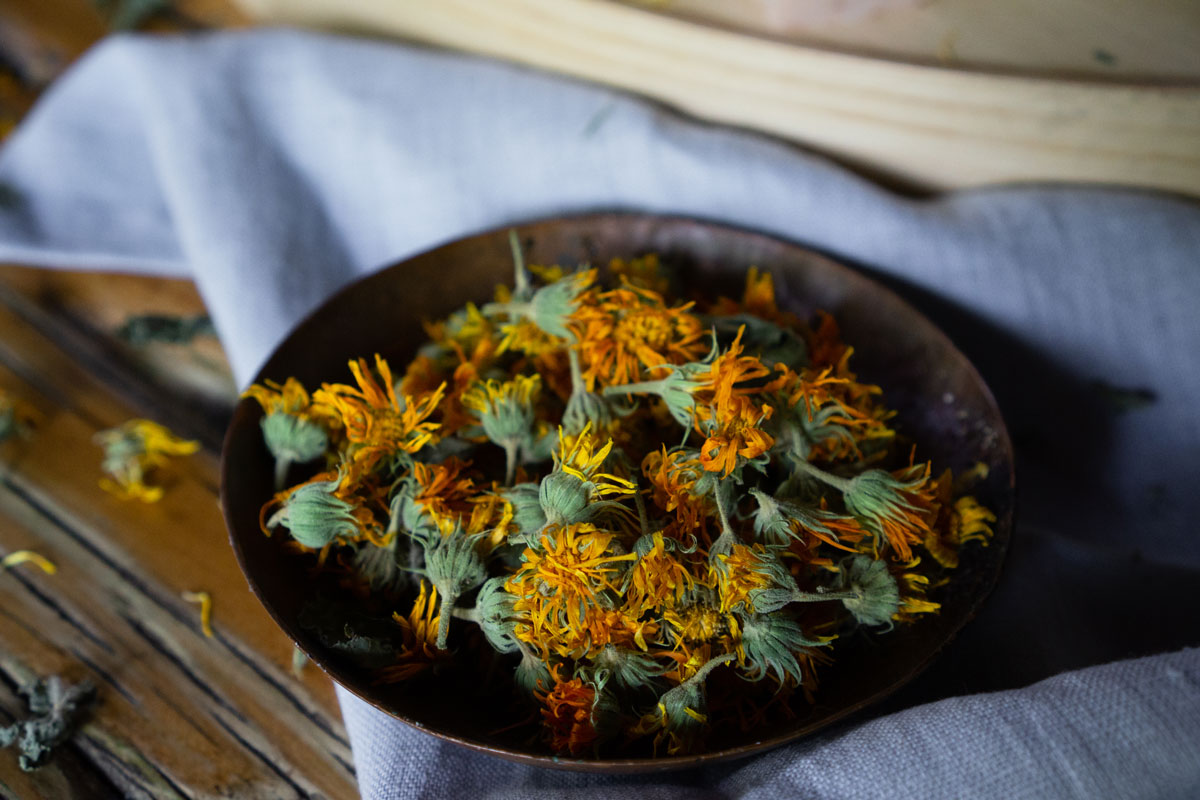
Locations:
column 132, row 451
column 682, row 714
column 496, row 616
column 577, row 489
column 568, row 715
column 419, row 650
column 769, row 645
column 894, row 507
column 295, row 429
column 629, row 668
column 317, row 513
column 876, row 595
column 455, row 567
column 550, row 307
column 505, row 410
column 379, row 425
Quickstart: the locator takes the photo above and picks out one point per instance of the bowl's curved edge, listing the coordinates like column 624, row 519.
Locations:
column 247, row 413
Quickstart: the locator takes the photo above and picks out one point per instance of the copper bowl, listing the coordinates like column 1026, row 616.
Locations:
column 943, row 405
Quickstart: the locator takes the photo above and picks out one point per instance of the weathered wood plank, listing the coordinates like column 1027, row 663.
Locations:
column 179, row 714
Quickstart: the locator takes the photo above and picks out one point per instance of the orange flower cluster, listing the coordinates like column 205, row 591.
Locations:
column 631, row 497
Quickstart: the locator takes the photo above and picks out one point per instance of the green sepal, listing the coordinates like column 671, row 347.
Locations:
column 408, row 516
column 315, row 516
column 552, row 305
column 770, row 642
column 585, row 407
column 772, row 343
column 802, row 427
column 782, row 587
column 532, row 675
column 776, row 521
column 293, row 438
column 630, row 669
column 508, row 421
column 454, row 566
column 563, row 497
column 878, row 594
column 689, row 696
column 495, row 615
column 528, row 515
column 875, row 495
column 381, row 567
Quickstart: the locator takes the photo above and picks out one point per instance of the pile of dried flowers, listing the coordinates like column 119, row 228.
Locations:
column 625, row 493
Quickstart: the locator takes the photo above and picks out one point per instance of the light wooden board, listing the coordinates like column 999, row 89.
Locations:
column 924, row 127
column 1153, row 41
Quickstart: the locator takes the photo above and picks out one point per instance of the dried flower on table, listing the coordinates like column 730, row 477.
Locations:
column 627, row 499
column 132, row 451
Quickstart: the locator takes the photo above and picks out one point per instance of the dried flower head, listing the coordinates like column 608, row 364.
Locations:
column 876, row 595
column 132, row 451
column 318, row 513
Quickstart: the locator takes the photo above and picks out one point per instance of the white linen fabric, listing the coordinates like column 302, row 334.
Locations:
column 273, row 167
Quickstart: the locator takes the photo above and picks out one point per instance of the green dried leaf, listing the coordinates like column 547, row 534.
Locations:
column 56, row 707
column 143, row 329
column 366, row 640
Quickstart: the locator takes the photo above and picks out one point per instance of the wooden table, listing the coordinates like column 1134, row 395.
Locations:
column 178, row 715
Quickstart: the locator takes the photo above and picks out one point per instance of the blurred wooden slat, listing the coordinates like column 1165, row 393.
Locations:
column 97, row 305
column 178, row 714
column 926, row 128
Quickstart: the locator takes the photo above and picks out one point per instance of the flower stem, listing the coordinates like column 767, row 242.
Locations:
column 469, row 614
column 816, row 597
column 643, row 520
column 515, row 309
column 510, row 462
column 836, row 481
column 282, row 465
column 577, row 385
column 445, row 612
column 709, row 666
column 727, row 537
column 642, row 387
column 521, row 277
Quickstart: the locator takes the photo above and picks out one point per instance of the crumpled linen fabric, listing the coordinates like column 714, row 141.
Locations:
column 273, row 167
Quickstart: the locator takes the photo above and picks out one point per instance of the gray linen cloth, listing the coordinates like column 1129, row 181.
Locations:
column 274, row 167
